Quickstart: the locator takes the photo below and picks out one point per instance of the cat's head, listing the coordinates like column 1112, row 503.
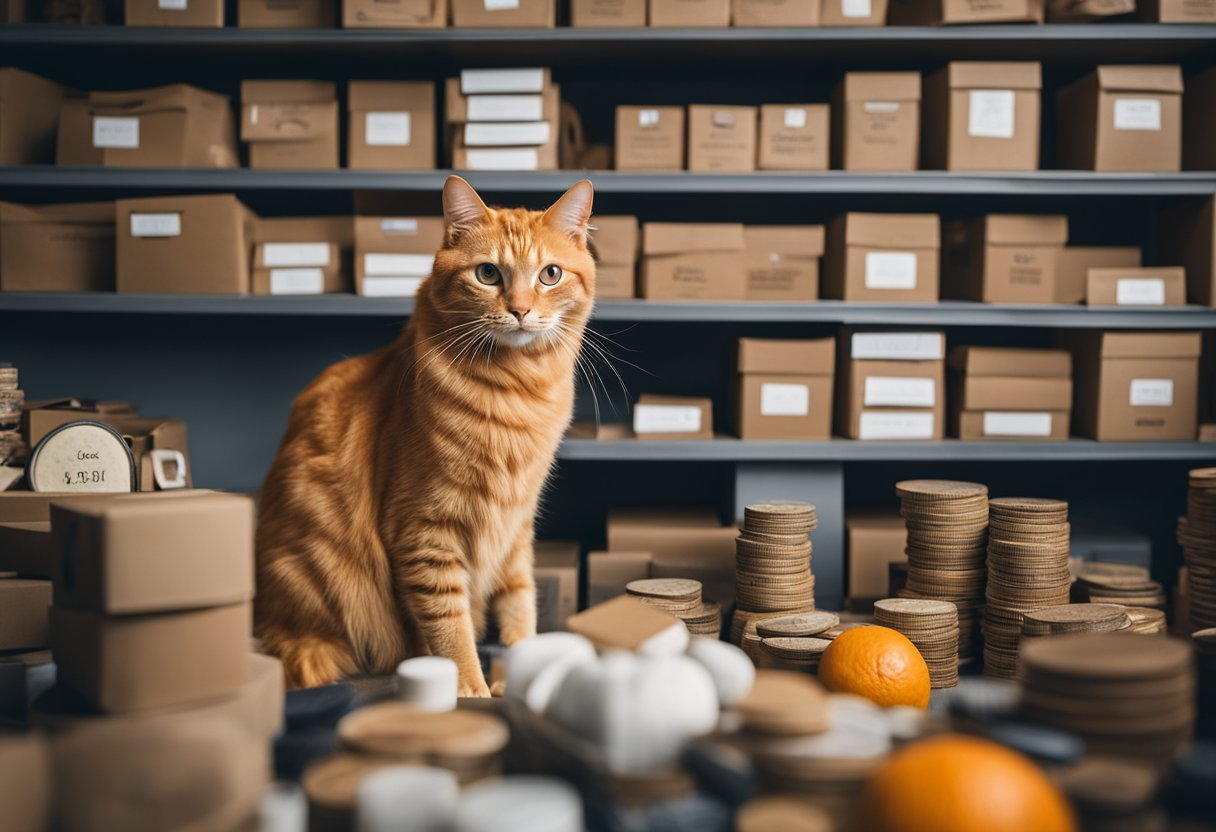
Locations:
column 525, row 278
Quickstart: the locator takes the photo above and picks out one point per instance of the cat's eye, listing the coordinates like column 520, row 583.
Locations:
column 488, row 274
column 549, row 275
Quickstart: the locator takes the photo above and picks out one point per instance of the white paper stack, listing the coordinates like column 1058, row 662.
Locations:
column 503, row 119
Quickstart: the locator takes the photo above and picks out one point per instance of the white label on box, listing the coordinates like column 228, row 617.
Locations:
column 387, row 129
column 795, row 118
column 297, row 281
column 896, row 391
column 785, row 399
column 506, row 134
column 399, row 225
column 723, row 118
column 156, row 225
column 398, row 265
column 855, row 8
column 997, row 423
column 172, row 5
column 990, row 114
column 896, row 346
column 890, row 270
column 666, row 418
column 295, row 254
column 648, row 118
column 1152, row 392
column 880, row 106
column 501, row 80
column 895, row 425
column 501, row 5
column 505, row 108
column 1140, row 291
column 390, row 287
column 525, row 158
column 1137, row 114
column 116, row 132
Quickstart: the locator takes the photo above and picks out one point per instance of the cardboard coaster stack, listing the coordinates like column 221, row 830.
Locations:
column 1124, row 696
column 1075, row 618
column 680, row 597
column 1027, row 570
column 1117, row 583
column 947, row 525
column 772, row 565
column 932, row 626
column 13, row 449
column 1145, row 620
column 1197, row 536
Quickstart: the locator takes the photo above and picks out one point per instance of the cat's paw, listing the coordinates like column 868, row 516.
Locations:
column 475, row 689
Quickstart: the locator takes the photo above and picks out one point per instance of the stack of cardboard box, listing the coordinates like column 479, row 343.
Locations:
column 393, row 255
column 302, row 256
column 1003, row 258
column 290, row 125
column 503, row 119
column 1073, row 264
column 680, row 542
column 616, row 241
column 1010, row 394
column 783, row 388
column 891, row 385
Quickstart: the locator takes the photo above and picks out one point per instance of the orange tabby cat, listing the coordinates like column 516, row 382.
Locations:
column 401, row 504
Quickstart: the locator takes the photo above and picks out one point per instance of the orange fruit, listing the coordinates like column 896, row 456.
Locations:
column 878, row 663
column 957, row 783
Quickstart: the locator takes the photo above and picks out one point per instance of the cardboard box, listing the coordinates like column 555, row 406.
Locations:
column 160, row 448
column 627, row 624
column 793, row 137
column 40, row 418
column 775, row 13
column 25, row 546
column 188, row 13
column 680, row 539
column 948, row 12
column 394, row 14
column 616, row 242
column 874, row 539
column 721, row 138
column 608, row 14
column 290, row 125
column 1177, row 11
column 542, row 105
column 853, row 13
column 1187, row 234
column 1150, row 286
column 557, row 579
column 504, row 14
column 1199, row 119
column 392, row 125
column 649, row 138
column 982, row 116
column 1003, row 258
column 287, row 14
column 876, row 121
column 609, row 572
column 25, row 782
column 783, row 262
column 1122, row 118
column 696, row 14
column 1135, row 386
column 393, row 255
column 302, row 255
column 29, row 117
column 193, row 245
column 1010, row 394
column 673, row 417
column 891, row 385
column 882, row 257
column 57, row 248
column 23, row 613
column 1073, row 264
column 144, row 662
column 177, row 126
column 693, row 261
column 1084, row 11
column 784, row 388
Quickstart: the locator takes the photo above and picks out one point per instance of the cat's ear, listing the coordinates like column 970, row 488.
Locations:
column 571, row 213
column 462, row 207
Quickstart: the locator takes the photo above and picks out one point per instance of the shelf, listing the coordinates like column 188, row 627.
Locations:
column 946, row 313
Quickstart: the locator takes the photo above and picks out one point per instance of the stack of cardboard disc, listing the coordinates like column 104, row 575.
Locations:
column 1197, row 536
column 1113, row 795
column 932, row 626
column 1117, row 583
column 680, row 597
column 1027, row 570
column 773, row 564
column 1145, row 620
column 1205, row 652
column 793, row 653
column 1075, row 618
column 1125, row 696
column 12, row 446
column 947, row 525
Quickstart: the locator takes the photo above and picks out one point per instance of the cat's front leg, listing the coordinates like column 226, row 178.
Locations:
column 515, row 601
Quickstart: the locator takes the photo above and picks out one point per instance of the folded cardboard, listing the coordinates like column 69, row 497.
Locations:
column 1199, row 118
column 504, row 14
column 793, row 137
column 557, row 580
column 982, row 116
column 891, row 385
column 302, row 255
column 874, row 539
column 649, row 138
column 189, row 13
column 626, row 623
column 784, row 388
column 394, row 14
column 1074, row 262
column 290, row 125
column 680, row 14
column 853, row 13
column 882, row 257
column 693, row 261
column 23, row 613
column 1177, row 11
column 1122, row 118
column 194, row 245
column 673, row 417
column 1187, row 231
column 542, row 105
column 609, row 572
column 29, row 117
column 608, row 14
column 721, row 138
column 616, row 240
column 25, row 782
column 392, row 125
column 775, row 13
column 393, row 255
column 57, row 248
column 287, row 14
column 952, row 12
column 160, row 448
column 876, row 121
column 1144, row 286
column 1010, row 394
column 783, row 262
column 1003, row 258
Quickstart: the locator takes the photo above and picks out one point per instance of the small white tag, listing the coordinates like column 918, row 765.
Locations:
column 295, row 254
column 524, row 158
column 156, row 225
column 391, row 287
column 895, row 391
column 501, row 80
column 505, row 108
column 666, row 418
column 506, row 134
column 648, row 118
column 1137, row 114
column 890, row 270
column 855, row 8
column 795, row 118
column 882, row 425
column 297, row 281
column 253, row 113
column 785, row 399
column 501, row 5
column 997, row 423
column 897, row 346
column 172, row 5
column 723, row 118
column 116, row 132
column 880, row 106
column 387, row 129
column 990, row 114
column 1140, row 291
column 398, row 225
column 398, row 265
column 1152, row 392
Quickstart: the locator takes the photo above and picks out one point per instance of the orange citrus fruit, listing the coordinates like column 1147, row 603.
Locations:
column 878, row 663
column 957, row 783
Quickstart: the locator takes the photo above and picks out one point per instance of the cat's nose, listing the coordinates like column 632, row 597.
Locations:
column 520, row 314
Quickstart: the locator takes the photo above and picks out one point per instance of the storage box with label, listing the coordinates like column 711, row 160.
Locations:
column 876, row 121
column 302, row 255
column 1199, row 118
column 394, row 14
column 616, row 244
column 530, row 145
column 1143, row 286
column 721, row 138
column 793, row 137
column 608, row 14
column 1187, row 234
column 23, row 613
column 29, row 117
column 504, row 14
column 1010, row 394
column 783, row 262
column 1122, row 118
column 783, row 388
column 891, row 385
column 982, row 116
column 693, row 14
column 1177, row 11
column 557, row 580
column 529, row 96
column 189, row 13
column 649, row 138
column 948, row 12
column 1074, row 262
column 882, row 257
column 57, row 248
column 1003, row 258
column 674, row 536
column 290, row 125
column 853, row 13
column 672, row 417
column 287, row 14
column 192, row 245
column 693, row 261
column 608, row 573
column 393, row 255
column 874, row 539
column 1135, row 386
column 775, row 13
column 392, row 125
column 177, row 126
